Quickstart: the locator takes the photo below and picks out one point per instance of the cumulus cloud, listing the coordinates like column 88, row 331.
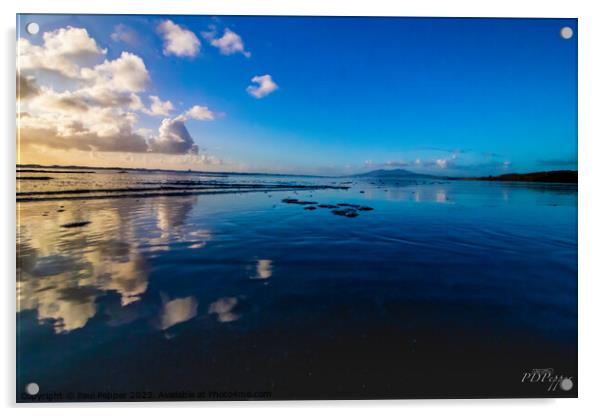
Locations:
column 158, row 107
column 177, row 40
column 97, row 113
column 71, row 41
column 229, row 44
column 173, row 138
column 265, row 85
column 60, row 51
column 26, row 87
column 126, row 73
column 107, row 135
column 198, row 112
column 97, row 108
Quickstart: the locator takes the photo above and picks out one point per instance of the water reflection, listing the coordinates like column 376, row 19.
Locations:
column 62, row 273
column 177, row 310
column 204, row 281
column 264, row 269
column 223, row 309
column 441, row 196
column 171, row 224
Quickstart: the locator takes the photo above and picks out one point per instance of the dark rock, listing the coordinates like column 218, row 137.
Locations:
column 365, row 209
column 75, row 224
column 296, row 201
column 310, row 208
column 347, row 212
column 329, row 206
column 349, row 205
column 290, row 200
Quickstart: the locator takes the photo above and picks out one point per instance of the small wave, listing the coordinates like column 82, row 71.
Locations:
column 158, row 191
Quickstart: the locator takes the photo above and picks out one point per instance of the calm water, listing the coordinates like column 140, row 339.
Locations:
column 445, row 288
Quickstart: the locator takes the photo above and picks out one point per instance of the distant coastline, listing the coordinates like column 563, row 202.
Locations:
column 44, row 168
column 554, row 176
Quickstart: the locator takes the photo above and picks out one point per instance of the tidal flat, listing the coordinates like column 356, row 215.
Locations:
column 429, row 289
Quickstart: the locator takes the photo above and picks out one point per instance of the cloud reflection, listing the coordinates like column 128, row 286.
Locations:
column 177, row 311
column 172, row 227
column 264, row 269
column 62, row 273
column 223, row 308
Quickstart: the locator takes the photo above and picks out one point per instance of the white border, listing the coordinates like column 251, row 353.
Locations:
column 590, row 206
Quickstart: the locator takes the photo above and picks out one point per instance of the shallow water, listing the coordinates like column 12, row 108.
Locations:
column 446, row 288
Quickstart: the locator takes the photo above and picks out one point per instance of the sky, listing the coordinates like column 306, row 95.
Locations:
column 304, row 95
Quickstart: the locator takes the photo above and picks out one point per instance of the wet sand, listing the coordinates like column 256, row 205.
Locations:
column 442, row 289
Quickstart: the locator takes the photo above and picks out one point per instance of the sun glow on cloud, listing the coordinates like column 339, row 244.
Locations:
column 99, row 104
column 261, row 95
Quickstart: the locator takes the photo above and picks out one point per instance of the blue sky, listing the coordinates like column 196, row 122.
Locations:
column 446, row 96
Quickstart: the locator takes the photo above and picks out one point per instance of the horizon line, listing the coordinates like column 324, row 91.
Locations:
column 18, row 165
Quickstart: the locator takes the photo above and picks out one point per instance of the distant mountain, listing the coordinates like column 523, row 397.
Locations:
column 554, row 176
column 393, row 173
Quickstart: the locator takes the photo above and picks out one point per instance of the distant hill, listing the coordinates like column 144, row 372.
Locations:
column 557, row 176
column 393, row 173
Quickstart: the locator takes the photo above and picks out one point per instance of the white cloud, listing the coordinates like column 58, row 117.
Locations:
column 158, row 107
column 125, row 74
column 229, row 44
column 60, row 51
column 71, row 41
column 177, row 40
column 173, row 138
column 198, row 112
column 442, row 163
column 265, row 85
column 98, row 105
column 99, row 129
